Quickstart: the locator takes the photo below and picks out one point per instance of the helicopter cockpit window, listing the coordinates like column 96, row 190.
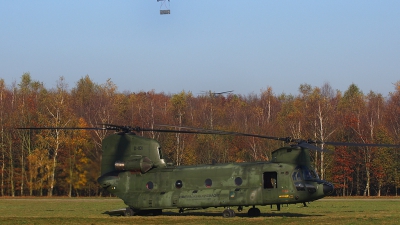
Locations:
column 238, row 181
column 296, row 176
column 314, row 174
column 178, row 184
column 149, row 185
column 208, row 182
column 309, row 174
column 298, row 179
column 160, row 152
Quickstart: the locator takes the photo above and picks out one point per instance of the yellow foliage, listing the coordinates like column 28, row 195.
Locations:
column 39, row 168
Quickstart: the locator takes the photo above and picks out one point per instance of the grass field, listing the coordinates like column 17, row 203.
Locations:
column 89, row 211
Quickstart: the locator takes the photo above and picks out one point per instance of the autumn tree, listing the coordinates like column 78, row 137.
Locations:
column 179, row 104
column 392, row 123
column 3, row 97
column 255, row 118
column 78, row 161
column 290, row 117
column 59, row 115
column 270, row 107
column 383, row 163
column 342, row 171
column 95, row 104
column 10, row 139
column 321, row 111
column 40, row 164
column 351, row 107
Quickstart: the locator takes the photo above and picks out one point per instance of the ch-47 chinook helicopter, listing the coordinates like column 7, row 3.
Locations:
column 133, row 169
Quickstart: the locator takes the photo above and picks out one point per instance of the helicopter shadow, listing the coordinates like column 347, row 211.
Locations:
column 241, row 214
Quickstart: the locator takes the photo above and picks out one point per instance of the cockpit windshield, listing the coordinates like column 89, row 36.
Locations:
column 313, row 174
column 303, row 172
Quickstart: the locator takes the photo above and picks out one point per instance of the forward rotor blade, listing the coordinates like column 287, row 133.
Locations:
column 195, row 131
column 60, row 128
column 313, row 147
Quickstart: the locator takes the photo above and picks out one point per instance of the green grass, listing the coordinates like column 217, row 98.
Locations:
column 89, row 211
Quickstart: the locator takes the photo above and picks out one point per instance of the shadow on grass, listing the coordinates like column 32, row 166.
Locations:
column 238, row 214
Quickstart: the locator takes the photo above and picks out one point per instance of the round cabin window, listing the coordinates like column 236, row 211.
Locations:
column 238, row 181
column 149, row 185
column 208, row 182
column 178, row 184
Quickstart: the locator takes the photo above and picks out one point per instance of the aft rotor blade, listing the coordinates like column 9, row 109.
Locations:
column 221, row 132
column 208, row 131
column 357, row 144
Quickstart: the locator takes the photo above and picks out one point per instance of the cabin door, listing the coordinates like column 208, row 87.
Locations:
column 270, row 184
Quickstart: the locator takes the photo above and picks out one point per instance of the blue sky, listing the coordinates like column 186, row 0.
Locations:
column 245, row 46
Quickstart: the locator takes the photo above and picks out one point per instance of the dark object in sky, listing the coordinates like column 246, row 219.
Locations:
column 164, row 8
column 165, row 11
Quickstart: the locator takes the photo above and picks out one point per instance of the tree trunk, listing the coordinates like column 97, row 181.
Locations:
column 52, row 180
column 3, row 166
column 22, row 169
column 344, row 187
column 71, row 180
column 367, row 187
column 53, row 172
column 3, row 159
column 379, row 189
column 11, row 169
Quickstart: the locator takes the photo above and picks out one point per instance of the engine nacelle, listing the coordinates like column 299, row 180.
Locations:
column 139, row 163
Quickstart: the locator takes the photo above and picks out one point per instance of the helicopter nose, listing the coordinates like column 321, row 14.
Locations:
column 328, row 188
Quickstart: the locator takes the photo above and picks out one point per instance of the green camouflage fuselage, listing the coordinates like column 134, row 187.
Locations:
column 133, row 170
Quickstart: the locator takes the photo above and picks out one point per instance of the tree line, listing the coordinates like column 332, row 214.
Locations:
column 67, row 162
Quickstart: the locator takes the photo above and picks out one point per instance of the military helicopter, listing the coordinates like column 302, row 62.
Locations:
column 133, row 168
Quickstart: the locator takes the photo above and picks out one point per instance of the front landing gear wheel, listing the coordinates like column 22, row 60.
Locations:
column 129, row 212
column 228, row 213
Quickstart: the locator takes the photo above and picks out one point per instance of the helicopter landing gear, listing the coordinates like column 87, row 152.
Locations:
column 132, row 212
column 278, row 206
column 254, row 212
column 240, row 208
column 181, row 210
column 129, row 212
column 156, row 212
column 228, row 213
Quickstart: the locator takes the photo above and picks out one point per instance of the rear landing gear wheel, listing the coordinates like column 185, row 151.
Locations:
column 254, row 212
column 228, row 213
